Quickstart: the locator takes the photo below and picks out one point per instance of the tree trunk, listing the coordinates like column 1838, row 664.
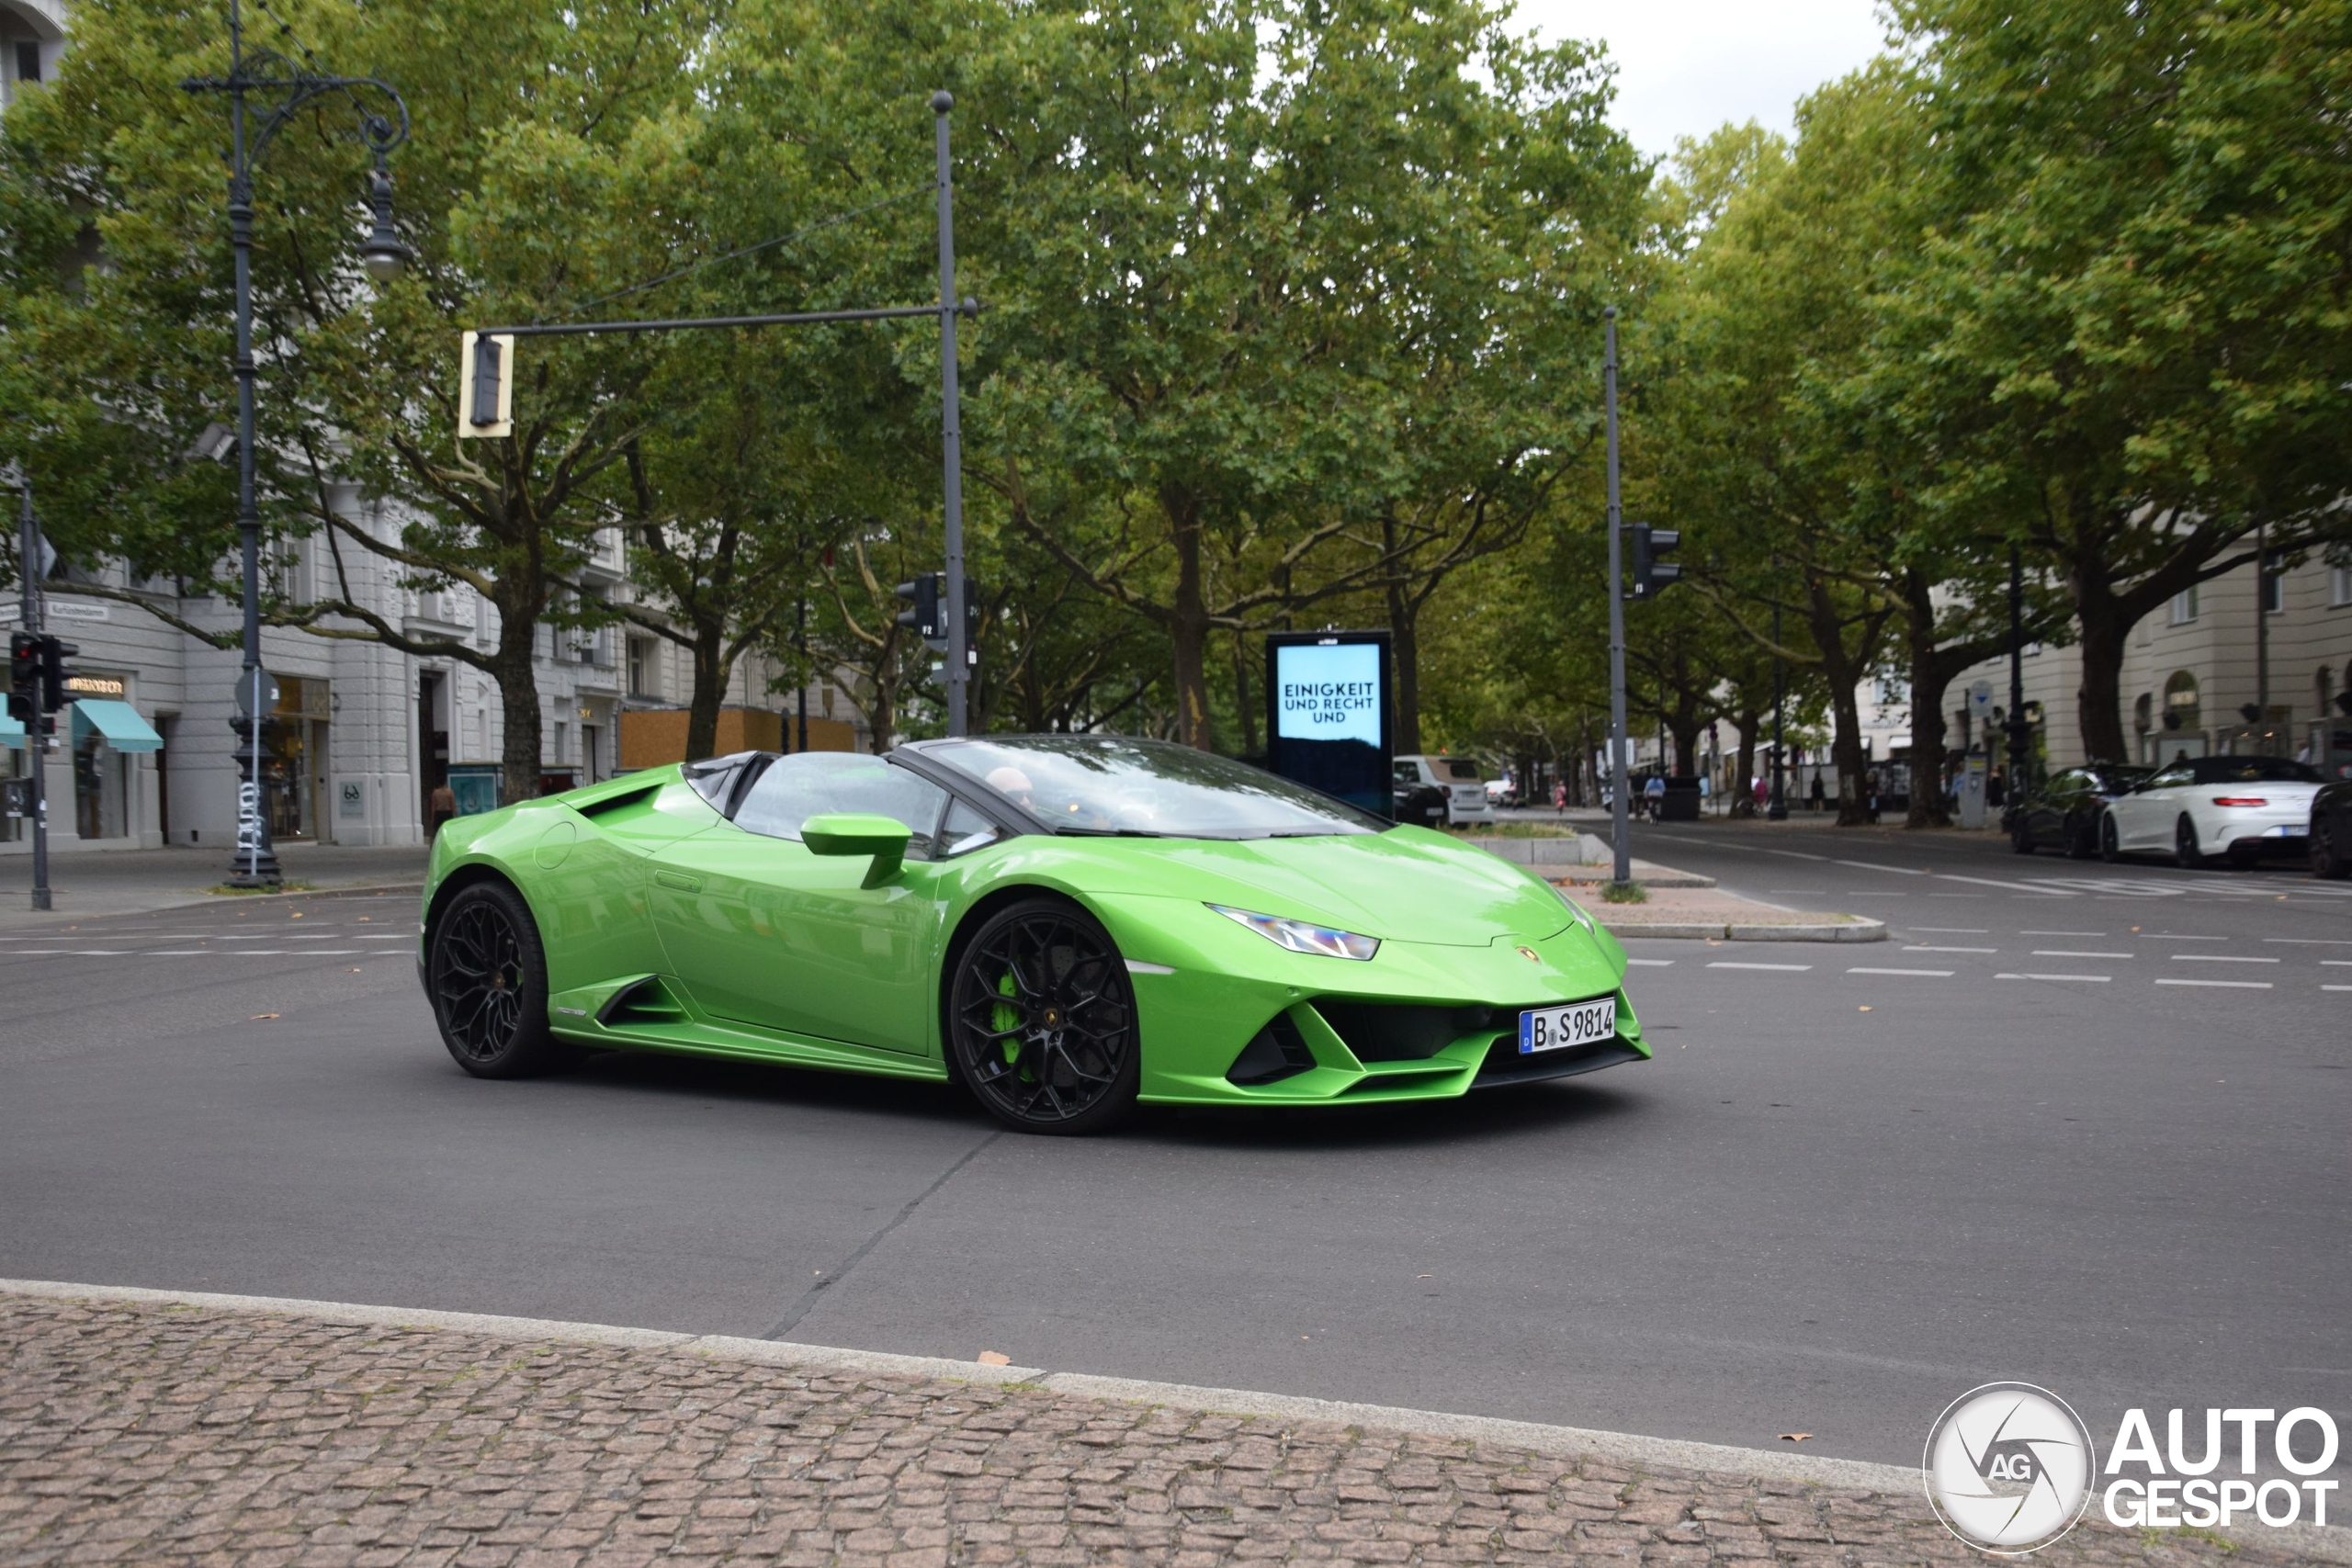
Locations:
column 1245, row 711
column 1743, row 799
column 712, row 671
column 1684, row 726
column 2105, row 627
column 1930, row 675
column 1404, row 648
column 1842, row 669
column 518, row 697
column 1189, row 626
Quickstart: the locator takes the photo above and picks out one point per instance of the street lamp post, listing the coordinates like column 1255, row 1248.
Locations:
column 2019, row 729
column 1778, row 811
column 382, row 255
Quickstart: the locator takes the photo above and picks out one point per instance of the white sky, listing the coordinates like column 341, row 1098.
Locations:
column 1686, row 66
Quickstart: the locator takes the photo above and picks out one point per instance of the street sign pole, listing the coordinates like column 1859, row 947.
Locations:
column 28, row 554
column 1620, row 835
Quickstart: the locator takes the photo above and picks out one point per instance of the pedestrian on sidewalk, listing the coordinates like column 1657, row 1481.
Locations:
column 1819, row 796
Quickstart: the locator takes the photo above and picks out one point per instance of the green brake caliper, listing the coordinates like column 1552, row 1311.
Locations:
column 1004, row 1016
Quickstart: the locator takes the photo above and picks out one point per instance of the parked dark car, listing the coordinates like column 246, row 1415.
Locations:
column 2063, row 814
column 2330, row 835
column 1421, row 805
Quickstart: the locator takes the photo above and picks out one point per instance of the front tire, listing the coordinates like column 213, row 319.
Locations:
column 2185, row 853
column 488, row 976
column 1040, row 1018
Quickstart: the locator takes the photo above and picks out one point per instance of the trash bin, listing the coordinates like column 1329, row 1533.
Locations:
column 1681, row 803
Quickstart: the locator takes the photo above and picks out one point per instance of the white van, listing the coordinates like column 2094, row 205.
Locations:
column 1465, row 789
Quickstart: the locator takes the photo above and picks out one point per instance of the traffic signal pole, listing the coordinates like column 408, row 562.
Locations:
column 36, row 728
column 951, row 432
column 1621, row 836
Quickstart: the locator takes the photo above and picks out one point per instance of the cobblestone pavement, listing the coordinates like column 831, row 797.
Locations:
column 154, row 1434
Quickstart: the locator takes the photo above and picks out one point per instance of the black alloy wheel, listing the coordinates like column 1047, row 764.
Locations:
column 2329, row 862
column 2111, row 842
column 2185, row 853
column 1042, row 1020
column 487, row 979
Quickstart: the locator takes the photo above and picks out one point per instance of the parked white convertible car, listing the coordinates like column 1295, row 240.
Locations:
column 2198, row 807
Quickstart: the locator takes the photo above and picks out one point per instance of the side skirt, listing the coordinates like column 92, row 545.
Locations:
column 589, row 1017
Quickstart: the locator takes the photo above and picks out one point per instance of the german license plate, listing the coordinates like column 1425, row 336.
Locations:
column 1579, row 1023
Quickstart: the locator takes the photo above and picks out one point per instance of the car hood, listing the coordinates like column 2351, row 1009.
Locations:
column 1406, row 884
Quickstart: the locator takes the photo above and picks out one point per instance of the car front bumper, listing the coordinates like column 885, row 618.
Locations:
column 1419, row 1020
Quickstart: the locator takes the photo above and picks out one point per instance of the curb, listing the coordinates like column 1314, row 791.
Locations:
column 382, row 890
column 1858, row 929
column 2329, row 1543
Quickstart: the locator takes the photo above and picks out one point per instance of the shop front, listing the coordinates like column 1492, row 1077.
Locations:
column 107, row 734
column 294, row 759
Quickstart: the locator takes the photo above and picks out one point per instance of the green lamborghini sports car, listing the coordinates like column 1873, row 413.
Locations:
column 1063, row 924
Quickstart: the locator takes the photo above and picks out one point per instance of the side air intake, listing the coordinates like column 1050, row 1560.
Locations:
column 1274, row 1052
column 647, row 1001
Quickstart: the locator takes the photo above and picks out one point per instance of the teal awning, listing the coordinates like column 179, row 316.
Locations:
column 118, row 724
column 12, row 734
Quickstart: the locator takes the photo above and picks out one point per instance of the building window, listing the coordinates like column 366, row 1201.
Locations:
column 28, row 62
column 2184, row 605
column 2274, row 589
column 2340, row 586
column 640, row 667
column 2180, row 701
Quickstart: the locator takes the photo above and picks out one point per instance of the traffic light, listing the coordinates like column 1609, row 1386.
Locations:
column 485, row 389
column 24, row 676
column 1651, row 574
column 925, row 617
column 55, row 652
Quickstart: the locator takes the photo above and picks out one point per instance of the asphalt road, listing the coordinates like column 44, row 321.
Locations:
column 1856, row 1183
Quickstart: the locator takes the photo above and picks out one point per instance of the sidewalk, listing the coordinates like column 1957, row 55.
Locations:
column 1708, row 913
column 120, row 882
column 244, row 1434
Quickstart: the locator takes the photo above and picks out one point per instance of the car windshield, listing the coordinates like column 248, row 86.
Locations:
column 1089, row 784
column 2252, row 770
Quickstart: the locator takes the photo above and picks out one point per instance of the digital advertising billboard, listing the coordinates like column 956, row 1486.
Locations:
column 1327, row 714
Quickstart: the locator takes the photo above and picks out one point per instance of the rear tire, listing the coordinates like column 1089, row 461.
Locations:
column 2185, row 853
column 2021, row 836
column 488, row 977
column 2329, row 863
column 2111, row 842
column 1041, row 1020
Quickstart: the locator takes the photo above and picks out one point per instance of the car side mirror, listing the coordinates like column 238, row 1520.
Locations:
column 860, row 833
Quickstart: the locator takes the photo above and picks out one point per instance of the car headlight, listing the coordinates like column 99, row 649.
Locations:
column 1304, row 936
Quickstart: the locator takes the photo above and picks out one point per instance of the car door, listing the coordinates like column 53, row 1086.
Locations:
column 762, row 931
column 2045, row 812
column 2144, row 818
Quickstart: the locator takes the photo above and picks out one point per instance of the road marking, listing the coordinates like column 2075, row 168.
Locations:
column 2061, row 933
column 395, row 936
column 2335, row 962
column 1930, row 974
column 2167, row 936
column 2093, row 979
column 2062, row 952
column 2307, row 942
column 178, row 953
column 2336, row 988
column 1922, row 947
column 2220, row 958
column 1956, row 930
column 2230, row 985
column 1873, row 865
column 1786, row 968
column 1651, row 963
column 2012, row 886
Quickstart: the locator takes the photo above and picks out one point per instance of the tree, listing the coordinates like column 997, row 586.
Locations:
column 2131, row 334
column 523, row 194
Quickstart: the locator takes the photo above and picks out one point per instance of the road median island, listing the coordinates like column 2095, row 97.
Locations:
column 155, row 1426
column 1678, row 905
